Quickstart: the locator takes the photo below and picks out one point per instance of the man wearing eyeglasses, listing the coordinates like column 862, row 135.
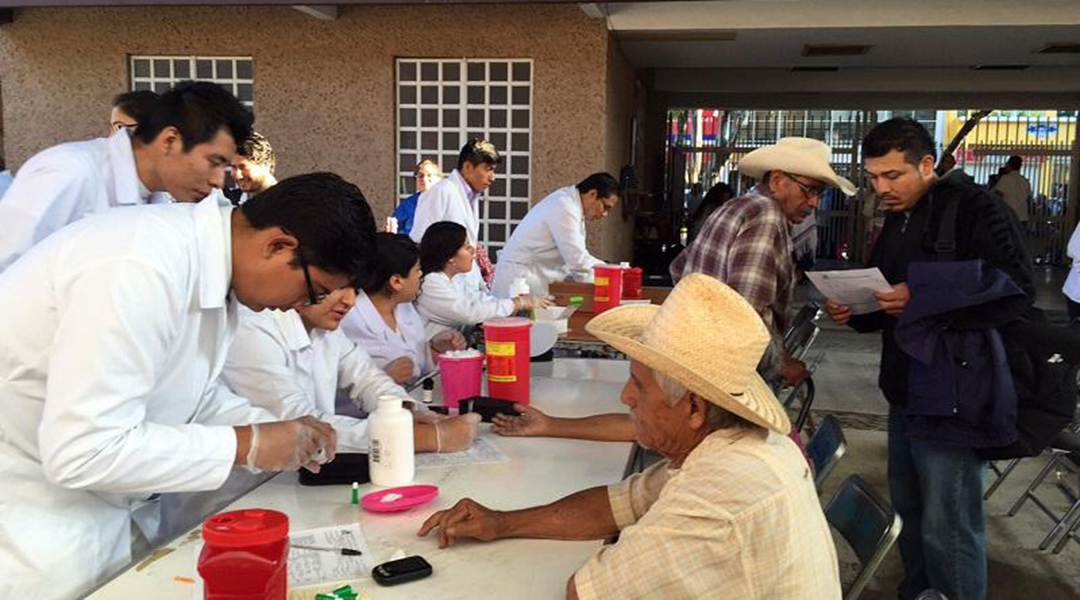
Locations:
column 115, row 333
column 549, row 243
column 747, row 242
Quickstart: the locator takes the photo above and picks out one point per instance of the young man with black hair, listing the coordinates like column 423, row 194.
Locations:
column 253, row 168
column 115, row 333
column 131, row 108
column 457, row 199
column 549, row 243
column 935, row 478
column 182, row 147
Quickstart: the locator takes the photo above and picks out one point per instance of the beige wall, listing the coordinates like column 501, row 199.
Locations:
column 615, row 234
column 324, row 91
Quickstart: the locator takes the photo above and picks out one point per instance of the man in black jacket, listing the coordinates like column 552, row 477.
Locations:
column 935, row 487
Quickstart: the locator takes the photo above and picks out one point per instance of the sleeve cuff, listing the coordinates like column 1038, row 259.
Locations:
column 621, row 508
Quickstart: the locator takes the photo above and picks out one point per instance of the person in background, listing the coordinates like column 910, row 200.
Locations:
column 714, row 199
column 182, row 147
column 385, row 323
column 427, row 174
column 549, row 243
column 116, row 329
column 731, row 511
column 1015, row 189
column 457, row 199
column 130, row 109
column 1071, row 289
column 446, row 252
column 292, row 363
column 252, row 168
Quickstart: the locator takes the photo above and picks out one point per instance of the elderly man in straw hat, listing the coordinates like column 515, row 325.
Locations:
column 747, row 243
column 731, row 511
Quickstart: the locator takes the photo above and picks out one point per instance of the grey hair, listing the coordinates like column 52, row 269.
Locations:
column 715, row 417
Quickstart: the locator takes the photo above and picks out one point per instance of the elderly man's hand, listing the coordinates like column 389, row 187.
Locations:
column 466, row 519
column 794, row 371
column 400, row 369
column 894, row 300
column 528, row 422
column 448, row 340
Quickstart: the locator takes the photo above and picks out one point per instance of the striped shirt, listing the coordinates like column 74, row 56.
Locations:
column 740, row 519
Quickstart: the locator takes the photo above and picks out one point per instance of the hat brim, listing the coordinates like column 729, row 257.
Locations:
column 778, row 158
column 622, row 328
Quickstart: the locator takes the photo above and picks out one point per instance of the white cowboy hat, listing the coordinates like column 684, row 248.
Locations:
column 798, row 156
column 705, row 336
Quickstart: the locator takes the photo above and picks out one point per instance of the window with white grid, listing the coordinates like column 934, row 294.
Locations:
column 444, row 103
column 159, row 73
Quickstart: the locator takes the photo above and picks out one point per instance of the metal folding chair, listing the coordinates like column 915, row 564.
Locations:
column 1064, row 454
column 869, row 525
column 826, row 448
column 803, row 331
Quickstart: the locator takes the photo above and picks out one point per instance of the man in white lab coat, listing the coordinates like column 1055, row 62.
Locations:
column 182, row 148
column 115, row 332
column 549, row 243
column 457, row 199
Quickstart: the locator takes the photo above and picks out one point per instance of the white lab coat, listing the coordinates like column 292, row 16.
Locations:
column 6, row 178
column 444, row 305
column 548, row 245
column 277, row 365
column 367, row 329
column 451, row 199
column 65, row 183
column 1016, row 190
column 114, row 334
column 1072, row 282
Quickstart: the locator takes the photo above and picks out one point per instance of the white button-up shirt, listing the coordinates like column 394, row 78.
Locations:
column 445, row 305
column 65, row 183
column 279, row 366
column 115, row 331
column 451, row 200
column 548, row 245
column 367, row 329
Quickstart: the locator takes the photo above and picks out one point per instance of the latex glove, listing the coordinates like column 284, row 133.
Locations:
column 528, row 422
column 289, row 445
column 456, row 433
column 529, row 302
column 400, row 369
column 448, row 340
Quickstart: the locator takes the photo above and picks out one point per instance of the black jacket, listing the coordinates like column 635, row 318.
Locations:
column 986, row 228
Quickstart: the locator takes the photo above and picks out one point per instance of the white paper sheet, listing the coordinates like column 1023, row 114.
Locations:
column 482, row 451
column 854, row 288
column 310, row 567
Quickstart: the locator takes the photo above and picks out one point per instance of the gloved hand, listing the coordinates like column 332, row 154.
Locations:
column 456, row 433
column 289, row 445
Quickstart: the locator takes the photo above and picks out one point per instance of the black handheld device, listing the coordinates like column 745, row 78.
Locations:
column 487, row 407
column 402, row 570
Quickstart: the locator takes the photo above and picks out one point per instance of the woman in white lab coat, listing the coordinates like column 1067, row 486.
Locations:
column 445, row 252
column 384, row 321
column 293, row 362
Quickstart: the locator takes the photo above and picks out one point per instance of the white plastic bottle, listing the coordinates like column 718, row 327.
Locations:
column 391, row 461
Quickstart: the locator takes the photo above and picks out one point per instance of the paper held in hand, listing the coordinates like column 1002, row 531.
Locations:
column 854, row 288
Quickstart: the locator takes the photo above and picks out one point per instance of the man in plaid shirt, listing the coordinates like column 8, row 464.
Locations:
column 747, row 242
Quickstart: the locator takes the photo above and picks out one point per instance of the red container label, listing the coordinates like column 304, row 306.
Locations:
column 502, row 362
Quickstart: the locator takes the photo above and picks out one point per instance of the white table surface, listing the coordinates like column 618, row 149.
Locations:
column 539, row 470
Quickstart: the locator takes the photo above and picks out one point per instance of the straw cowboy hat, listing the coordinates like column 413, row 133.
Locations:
column 707, row 337
column 798, row 156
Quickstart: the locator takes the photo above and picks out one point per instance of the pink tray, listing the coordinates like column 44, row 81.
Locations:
column 399, row 498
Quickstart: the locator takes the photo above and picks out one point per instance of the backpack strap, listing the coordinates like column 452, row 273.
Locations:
column 945, row 242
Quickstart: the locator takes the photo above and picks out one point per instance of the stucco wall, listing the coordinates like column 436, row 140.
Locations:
column 616, row 232
column 324, row 91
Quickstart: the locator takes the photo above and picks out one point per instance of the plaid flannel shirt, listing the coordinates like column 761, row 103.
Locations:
column 746, row 243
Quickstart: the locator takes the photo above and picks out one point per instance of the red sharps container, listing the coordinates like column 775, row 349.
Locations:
column 245, row 555
column 507, row 343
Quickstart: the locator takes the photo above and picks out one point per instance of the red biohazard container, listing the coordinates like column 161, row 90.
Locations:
column 507, row 346
column 245, row 556
column 607, row 287
column 632, row 283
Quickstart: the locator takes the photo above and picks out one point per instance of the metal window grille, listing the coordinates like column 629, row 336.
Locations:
column 442, row 103
column 159, row 73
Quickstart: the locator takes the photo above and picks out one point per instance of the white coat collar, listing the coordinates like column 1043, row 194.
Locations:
column 470, row 195
column 292, row 327
column 370, row 317
column 129, row 189
column 575, row 207
column 213, row 236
